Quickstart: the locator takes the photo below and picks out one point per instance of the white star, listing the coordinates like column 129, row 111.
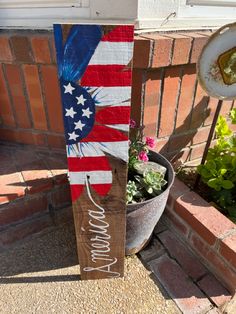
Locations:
column 73, row 136
column 86, row 113
column 81, row 100
column 79, row 125
column 70, row 112
column 68, row 89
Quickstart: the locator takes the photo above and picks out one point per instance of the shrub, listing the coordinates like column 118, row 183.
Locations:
column 219, row 170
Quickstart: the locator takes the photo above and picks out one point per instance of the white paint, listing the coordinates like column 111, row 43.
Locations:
column 223, row 3
column 122, row 127
column 100, row 241
column 106, row 96
column 117, row 149
column 40, row 3
column 149, row 15
column 108, row 53
column 95, row 177
column 113, row 9
column 206, row 12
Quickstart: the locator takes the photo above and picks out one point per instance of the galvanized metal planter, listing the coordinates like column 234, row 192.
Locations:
column 143, row 217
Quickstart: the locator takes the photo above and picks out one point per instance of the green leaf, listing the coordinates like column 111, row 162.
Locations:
column 223, row 171
column 227, row 184
column 222, row 128
column 233, row 115
column 215, row 184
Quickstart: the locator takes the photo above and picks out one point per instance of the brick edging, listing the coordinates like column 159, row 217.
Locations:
column 205, row 230
column 156, row 50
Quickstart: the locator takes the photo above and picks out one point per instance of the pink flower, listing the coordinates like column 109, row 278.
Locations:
column 132, row 123
column 143, row 156
column 150, row 141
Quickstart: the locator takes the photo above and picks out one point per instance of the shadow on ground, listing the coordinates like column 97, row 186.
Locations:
column 54, row 249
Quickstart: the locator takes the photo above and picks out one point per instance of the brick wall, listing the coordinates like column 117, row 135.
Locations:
column 165, row 96
column 172, row 104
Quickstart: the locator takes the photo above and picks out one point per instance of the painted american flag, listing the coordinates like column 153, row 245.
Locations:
column 94, row 66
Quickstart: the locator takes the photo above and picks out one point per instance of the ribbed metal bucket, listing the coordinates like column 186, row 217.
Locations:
column 143, row 217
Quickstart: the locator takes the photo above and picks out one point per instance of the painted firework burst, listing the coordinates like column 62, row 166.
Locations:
column 95, row 80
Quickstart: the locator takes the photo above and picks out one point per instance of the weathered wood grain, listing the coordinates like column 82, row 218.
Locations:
column 96, row 119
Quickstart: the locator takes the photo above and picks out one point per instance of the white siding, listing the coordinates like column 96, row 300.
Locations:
column 223, row 3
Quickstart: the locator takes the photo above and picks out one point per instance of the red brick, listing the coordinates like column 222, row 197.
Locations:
column 40, row 139
column 136, row 95
column 8, row 135
column 186, row 99
column 197, row 151
column 35, row 96
column 13, row 212
column 218, row 266
column 53, row 98
column 11, row 185
column 25, row 137
column 201, row 136
column 61, row 197
column 58, row 167
column 178, row 158
column 169, row 101
column 184, row 292
column 142, row 48
column 25, row 155
column 232, row 127
column 200, row 109
column 151, row 102
column 5, row 51
column 36, row 176
column 160, row 227
column 214, row 290
column 154, row 250
column 190, row 264
column 52, row 49
column 6, row 114
column 178, row 189
column 17, row 93
column 162, row 50
column 181, row 50
column 175, row 222
column 207, row 221
column 21, row 48
column 226, row 107
column 212, row 104
column 40, row 47
column 56, row 141
column 228, row 249
column 198, row 43
column 179, row 142
column 161, row 145
column 21, row 231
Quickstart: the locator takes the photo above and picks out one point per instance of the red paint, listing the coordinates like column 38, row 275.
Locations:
column 107, row 76
column 114, row 115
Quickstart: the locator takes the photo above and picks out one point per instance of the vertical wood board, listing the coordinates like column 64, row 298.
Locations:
column 94, row 69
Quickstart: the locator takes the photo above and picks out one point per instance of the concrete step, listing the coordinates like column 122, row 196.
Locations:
column 33, row 184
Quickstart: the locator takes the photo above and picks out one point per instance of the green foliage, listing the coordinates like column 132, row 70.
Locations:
column 219, row 170
column 233, row 116
column 145, row 186
column 132, row 192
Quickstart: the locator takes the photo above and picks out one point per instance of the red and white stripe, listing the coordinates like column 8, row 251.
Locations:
column 108, row 76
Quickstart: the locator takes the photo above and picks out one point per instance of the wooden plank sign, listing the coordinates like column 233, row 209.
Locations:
column 94, row 68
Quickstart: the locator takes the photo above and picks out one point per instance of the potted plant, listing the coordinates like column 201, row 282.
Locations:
column 150, row 177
